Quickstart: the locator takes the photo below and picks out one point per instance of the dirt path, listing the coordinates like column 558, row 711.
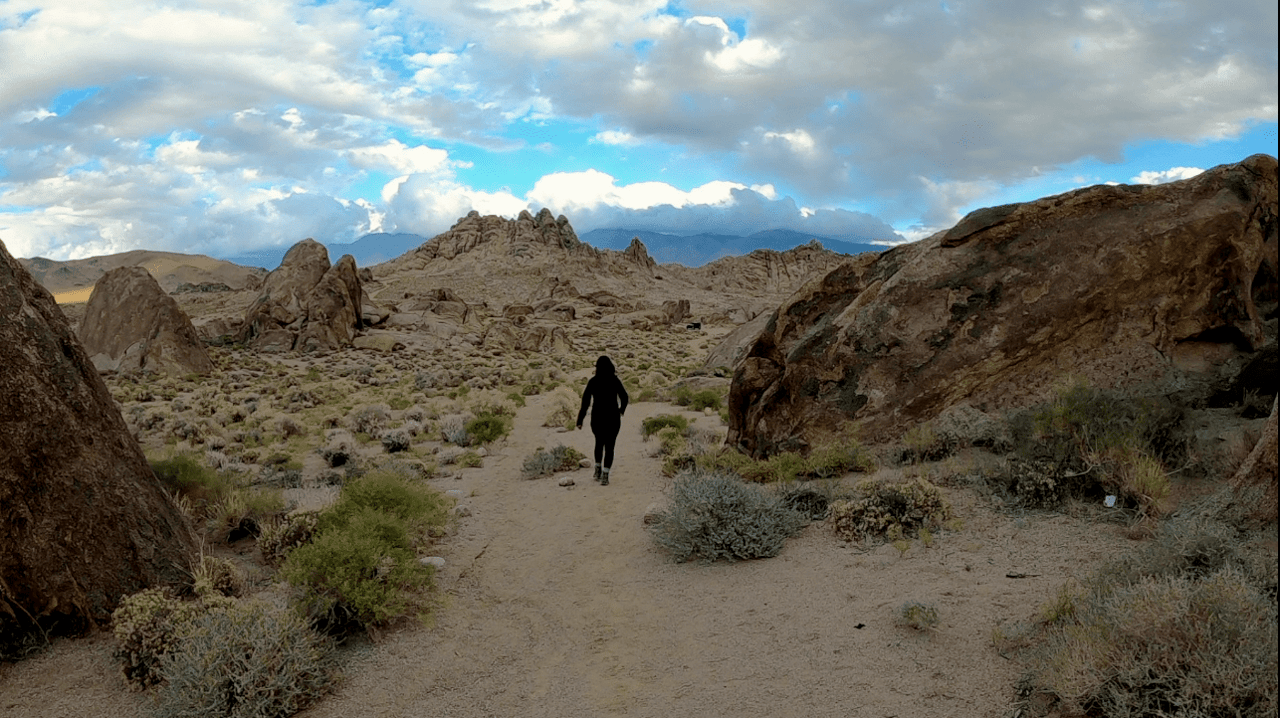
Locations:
column 558, row 604
column 561, row 605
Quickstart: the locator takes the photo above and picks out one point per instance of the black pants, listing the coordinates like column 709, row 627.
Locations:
column 606, row 437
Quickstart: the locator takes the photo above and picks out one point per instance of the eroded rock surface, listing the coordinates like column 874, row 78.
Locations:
column 83, row 520
column 132, row 325
column 305, row 303
column 1125, row 286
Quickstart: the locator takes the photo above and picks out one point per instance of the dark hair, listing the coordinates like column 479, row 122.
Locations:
column 604, row 367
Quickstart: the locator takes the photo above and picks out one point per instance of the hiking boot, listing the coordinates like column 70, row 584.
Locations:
column 596, row 475
column 604, row 478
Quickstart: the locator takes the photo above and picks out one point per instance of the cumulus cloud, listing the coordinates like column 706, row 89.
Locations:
column 1170, row 175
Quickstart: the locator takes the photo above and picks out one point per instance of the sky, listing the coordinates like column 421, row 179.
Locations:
column 225, row 126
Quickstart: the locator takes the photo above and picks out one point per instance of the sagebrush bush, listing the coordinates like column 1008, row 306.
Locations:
column 881, row 508
column 705, row 399
column 220, row 576
column 396, row 440
column 1185, row 626
column 544, row 463
column 715, row 516
column 251, row 659
column 369, row 420
column 184, row 475
column 453, row 429
column 420, row 507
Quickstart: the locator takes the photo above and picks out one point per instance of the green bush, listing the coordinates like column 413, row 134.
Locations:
column 470, row 460
column 487, row 428
column 681, row 396
column 244, row 660
column 362, row 571
column 714, row 516
column 186, row 476
column 517, row 398
column 419, row 507
column 889, row 508
column 654, row 424
column 545, row 463
column 706, row 399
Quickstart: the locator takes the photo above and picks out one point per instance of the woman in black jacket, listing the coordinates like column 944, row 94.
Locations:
column 608, row 401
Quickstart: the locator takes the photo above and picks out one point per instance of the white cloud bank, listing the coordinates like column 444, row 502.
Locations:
column 216, row 127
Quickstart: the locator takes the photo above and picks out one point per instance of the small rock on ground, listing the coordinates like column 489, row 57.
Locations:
column 436, row 561
column 566, row 481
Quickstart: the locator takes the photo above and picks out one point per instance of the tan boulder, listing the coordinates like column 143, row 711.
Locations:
column 332, row 309
column 282, row 300
column 733, row 347
column 83, row 520
column 1113, row 284
column 547, row 340
column 675, row 311
column 131, row 325
column 512, row 311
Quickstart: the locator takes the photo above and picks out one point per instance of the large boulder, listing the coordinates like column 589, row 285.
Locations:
column 1153, row 288
column 131, row 325
column 333, row 309
column 305, row 303
column 83, row 520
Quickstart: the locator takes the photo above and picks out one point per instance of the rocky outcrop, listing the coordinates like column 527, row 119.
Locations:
column 675, row 310
column 1254, row 485
column 517, row 237
column 766, row 270
column 637, row 254
column 131, row 325
column 733, row 347
column 334, row 309
column 507, row 336
column 83, row 520
column 1154, row 288
column 305, row 303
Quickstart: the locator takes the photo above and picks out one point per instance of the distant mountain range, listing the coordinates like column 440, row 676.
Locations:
column 690, row 250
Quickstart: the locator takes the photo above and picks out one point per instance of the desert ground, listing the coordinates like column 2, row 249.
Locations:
column 555, row 601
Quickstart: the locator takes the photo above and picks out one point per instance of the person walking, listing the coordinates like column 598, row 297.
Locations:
column 608, row 401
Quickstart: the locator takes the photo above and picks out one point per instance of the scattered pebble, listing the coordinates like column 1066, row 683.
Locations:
column 455, row 493
column 461, row 511
column 566, row 481
column 432, row 561
column 585, row 463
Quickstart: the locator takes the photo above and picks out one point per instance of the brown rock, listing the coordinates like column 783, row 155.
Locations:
column 1108, row 283
column 282, row 301
column 733, row 347
column 83, row 520
column 333, row 309
column 675, row 310
column 512, row 311
column 131, row 325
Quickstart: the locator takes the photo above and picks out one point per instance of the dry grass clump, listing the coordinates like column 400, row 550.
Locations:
column 918, row 616
column 1185, row 626
column 544, row 463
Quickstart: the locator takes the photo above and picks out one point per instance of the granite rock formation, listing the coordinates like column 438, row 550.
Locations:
column 305, row 303
column 1153, row 288
column 131, row 325
column 83, row 520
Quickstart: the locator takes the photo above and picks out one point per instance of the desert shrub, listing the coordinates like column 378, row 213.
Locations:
column 517, row 399
column 916, row 615
column 184, row 475
column 420, row 507
column 705, row 399
column 831, row 460
column 681, row 396
column 396, row 440
column 487, row 428
column 244, row 660
column 715, row 516
column 787, row 466
column 399, row 403
column 805, row 500
column 214, row 575
column 368, row 420
column 564, row 408
column 243, row 511
column 1098, row 442
column 544, row 463
column 922, row 443
column 361, row 571
column 654, row 424
column 146, row 625
column 470, row 460
column 453, row 429
column 281, row 536
column 889, row 508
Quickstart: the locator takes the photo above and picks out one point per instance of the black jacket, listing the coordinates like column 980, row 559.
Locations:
column 608, row 400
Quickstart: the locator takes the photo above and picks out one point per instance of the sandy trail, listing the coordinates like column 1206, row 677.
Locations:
column 558, row 604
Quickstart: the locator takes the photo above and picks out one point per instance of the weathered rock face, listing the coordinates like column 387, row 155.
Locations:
column 766, row 270
column 516, row 237
column 334, row 309
column 1255, row 482
column 131, row 325
column 1150, row 287
column 305, row 303
column 505, row 335
column 83, row 520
